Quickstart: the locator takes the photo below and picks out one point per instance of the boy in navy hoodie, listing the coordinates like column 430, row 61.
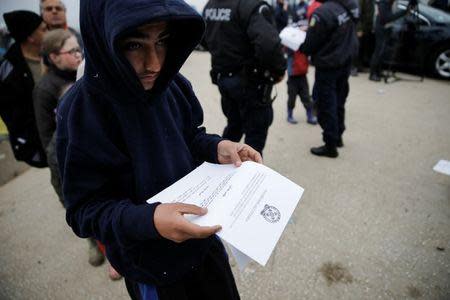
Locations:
column 130, row 127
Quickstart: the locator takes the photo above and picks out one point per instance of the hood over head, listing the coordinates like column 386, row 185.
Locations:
column 104, row 22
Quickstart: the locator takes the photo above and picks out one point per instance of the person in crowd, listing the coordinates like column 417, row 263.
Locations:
column 384, row 15
column 313, row 5
column 5, row 41
column 297, row 85
column 61, row 55
column 131, row 127
column 281, row 14
column 365, row 35
column 54, row 14
column 300, row 13
column 332, row 42
column 19, row 72
column 247, row 59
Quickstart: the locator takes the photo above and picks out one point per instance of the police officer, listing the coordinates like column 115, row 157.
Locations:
column 246, row 59
column 332, row 42
column 384, row 15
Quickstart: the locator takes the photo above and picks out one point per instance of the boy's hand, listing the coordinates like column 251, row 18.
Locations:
column 172, row 225
column 229, row 152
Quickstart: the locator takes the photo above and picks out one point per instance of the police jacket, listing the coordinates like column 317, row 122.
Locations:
column 16, row 108
column 385, row 14
column 331, row 38
column 118, row 145
column 241, row 33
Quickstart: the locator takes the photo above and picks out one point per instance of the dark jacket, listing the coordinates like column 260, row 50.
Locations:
column 119, row 145
column 242, row 34
column 367, row 9
column 385, row 14
column 281, row 16
column 16, row 108
column 45, row 99
column 331, row 38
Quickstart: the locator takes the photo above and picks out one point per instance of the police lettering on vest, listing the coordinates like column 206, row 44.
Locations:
column 218, row 14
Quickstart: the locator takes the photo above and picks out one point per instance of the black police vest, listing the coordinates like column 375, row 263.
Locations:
column 226, row 36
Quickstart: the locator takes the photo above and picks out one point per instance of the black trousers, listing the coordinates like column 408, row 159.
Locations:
column 246, row 111
column 378, row 55
column 212, row 280
column 331, row 89
column 298, row 85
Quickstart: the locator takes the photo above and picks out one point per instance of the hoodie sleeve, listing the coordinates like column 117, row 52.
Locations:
column 203, row 146
column 94, row 210
column 95, row 198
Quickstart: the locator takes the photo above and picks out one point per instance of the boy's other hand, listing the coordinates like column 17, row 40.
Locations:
column 172, row 225
column 229, row 152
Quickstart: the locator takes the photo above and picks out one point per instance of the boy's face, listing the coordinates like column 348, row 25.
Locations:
column 145, row 48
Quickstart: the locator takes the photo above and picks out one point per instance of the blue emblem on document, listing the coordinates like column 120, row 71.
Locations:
column 271, row 214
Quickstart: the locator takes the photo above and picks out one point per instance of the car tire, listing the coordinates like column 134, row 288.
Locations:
column 440, row 62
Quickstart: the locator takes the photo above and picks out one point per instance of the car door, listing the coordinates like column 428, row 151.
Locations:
column 406, row 46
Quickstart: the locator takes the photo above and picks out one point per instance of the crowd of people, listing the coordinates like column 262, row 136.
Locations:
column 132, row 125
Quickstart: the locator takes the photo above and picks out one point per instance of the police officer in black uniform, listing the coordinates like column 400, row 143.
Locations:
column 332, row 42
column 384, row 16
column 246, row 59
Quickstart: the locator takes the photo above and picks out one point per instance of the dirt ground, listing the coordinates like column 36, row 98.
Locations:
column 372, row 224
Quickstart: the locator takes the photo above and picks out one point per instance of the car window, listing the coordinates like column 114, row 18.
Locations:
column 437, row 15
column 417, row 17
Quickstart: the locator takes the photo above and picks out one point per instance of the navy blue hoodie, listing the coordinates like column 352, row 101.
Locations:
column 119, row 145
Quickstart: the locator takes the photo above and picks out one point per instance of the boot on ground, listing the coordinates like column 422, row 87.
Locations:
column 96, row 257
column 375, row 77
column 310, row 117
column 325, row 150
column 290, row 117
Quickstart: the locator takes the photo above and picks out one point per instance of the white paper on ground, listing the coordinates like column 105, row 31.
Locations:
column 443, row 166
column 252, row 203
column 292, row 37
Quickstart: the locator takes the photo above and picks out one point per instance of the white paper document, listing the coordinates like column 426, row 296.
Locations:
column 292, row 37
column 443, row 166
column 252, row 203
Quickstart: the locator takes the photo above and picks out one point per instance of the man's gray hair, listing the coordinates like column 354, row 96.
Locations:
column 41, row 5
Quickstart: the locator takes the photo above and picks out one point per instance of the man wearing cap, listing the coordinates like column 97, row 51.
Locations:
column 19, row 72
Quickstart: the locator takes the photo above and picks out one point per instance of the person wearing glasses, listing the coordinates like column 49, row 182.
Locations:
column 61, row 55
column 54, row 14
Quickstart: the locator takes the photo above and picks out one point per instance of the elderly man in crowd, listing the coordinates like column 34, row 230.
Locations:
column 54, row 14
